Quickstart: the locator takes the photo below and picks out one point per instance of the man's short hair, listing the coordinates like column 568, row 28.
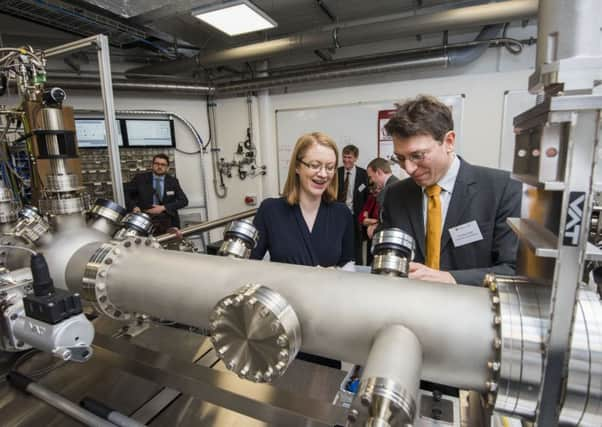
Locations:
column 161, row 156
column 423, row 115
column 351, row 149
column 380, row 164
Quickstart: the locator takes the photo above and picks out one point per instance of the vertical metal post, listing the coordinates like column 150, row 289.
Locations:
column 106, row 86
column 572, row 247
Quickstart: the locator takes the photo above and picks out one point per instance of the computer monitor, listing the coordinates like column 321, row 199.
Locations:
column 150, row 133
column 91, row 133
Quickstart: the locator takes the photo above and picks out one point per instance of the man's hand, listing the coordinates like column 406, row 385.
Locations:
column 156, row 210
column 422, row 272
column 136, row 210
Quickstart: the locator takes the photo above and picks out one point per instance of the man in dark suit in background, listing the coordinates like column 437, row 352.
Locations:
column 455, row 211
column 157, row 194
column 353, row 190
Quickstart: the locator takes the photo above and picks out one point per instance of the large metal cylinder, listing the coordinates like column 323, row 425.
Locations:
column 340, row 312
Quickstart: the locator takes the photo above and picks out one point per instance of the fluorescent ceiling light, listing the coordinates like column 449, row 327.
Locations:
column 236, row 17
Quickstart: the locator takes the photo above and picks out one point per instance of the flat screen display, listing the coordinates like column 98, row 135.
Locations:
column 91, row 133
column 149, row 133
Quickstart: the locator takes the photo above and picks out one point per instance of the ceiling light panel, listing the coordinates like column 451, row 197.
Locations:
column 236, row 18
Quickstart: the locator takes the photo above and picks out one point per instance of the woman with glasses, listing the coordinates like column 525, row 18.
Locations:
column 307, row 226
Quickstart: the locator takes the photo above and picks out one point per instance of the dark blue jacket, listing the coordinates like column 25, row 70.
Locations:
column 284, row 233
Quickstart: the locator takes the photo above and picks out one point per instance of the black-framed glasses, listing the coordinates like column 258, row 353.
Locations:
column 317, row 166
column 161, row 164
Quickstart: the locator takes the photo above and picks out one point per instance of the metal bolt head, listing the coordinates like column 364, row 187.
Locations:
column 497, row 343
column 365, row 399
column 494, row 366
column 283, row 355
column 352, row 415
column 497, row 320
column 495, row 300
column 282, row 340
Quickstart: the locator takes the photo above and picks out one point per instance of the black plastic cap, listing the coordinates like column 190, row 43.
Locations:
column 42, row 282
column 19, row 380
column 96, row 407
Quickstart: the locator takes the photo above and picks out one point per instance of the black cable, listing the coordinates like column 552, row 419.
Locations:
column 188, row 152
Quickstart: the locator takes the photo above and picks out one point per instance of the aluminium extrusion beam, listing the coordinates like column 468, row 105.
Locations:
column 340, row 312
column 108, row 104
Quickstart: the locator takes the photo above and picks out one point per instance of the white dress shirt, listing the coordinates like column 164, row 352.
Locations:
column 447, row 183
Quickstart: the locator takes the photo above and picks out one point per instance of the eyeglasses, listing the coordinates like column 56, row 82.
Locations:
column 415, row 157
column 160, row 164
column 317, row 166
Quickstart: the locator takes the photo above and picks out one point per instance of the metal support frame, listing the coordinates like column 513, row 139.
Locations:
column 221, row 388
column 101, row 42
column 583, row 138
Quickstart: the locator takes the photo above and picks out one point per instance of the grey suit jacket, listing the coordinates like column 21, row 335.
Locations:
column 486, row 195
column 380, row 198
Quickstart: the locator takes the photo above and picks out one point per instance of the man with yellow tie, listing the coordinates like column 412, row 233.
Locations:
column 455, row 211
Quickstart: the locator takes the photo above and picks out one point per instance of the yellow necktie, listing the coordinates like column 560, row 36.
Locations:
column 433, row 227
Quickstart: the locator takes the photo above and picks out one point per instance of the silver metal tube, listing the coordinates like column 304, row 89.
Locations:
column 64, row 405
column 340, row 312
column 106, row 85
column 390, row 380
column 396, row 354
column 206, row 226
column 438, row 60
column 473, row 16
column 76, row 83
column 68, row 47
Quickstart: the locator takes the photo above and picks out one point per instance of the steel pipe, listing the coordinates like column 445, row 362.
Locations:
column 56, row 401
column 343, row 35
column 205, row 226
column 340, row 312
column 69, row 47
column 78, row 83
column 388, row 392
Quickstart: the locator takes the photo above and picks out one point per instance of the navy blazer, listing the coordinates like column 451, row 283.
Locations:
column 488, row 196
column 139, row 192
column 284, row 233
column 359, row 196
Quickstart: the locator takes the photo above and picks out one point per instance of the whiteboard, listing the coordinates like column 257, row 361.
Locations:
column 355, row 123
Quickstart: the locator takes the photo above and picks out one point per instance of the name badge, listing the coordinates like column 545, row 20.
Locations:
column 361, row 187
column 465, row 234
column 170, row 193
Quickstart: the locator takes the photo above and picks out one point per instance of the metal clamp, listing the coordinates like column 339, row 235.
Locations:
column 521, row 314
column 255, row 315
column 138, row 224
column 108, row 210
column 240, row 237
column 66, row 206
column 382, row 401
column 393, row 250
column 32, row 226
